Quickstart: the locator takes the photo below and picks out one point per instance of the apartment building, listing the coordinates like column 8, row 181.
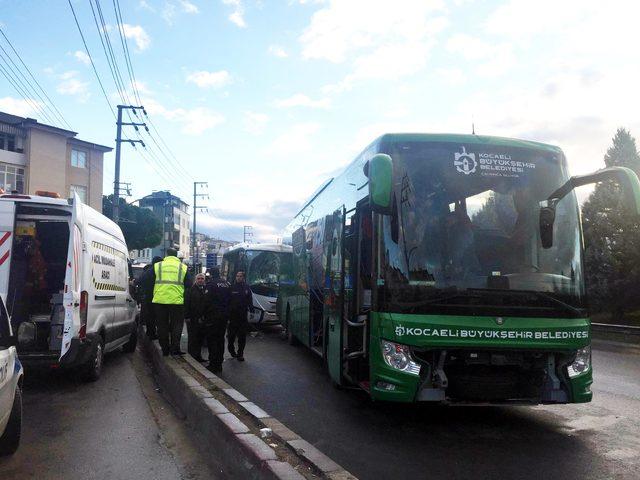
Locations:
column 35, row 156
column 174, row 214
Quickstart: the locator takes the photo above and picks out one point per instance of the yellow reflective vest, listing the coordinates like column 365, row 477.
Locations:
column 169, row 286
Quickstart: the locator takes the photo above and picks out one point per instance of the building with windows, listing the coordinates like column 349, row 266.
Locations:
column 206, row 244
column 174, row 214
column 35, row 156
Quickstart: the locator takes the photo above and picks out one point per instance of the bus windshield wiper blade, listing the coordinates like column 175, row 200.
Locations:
column 435, row 300
column 546, row 296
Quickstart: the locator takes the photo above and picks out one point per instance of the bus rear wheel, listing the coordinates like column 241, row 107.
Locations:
column 291, row 339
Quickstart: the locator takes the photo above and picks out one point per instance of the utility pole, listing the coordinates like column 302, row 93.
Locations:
column 119, row 140
column 196, row 207
column 247, row 233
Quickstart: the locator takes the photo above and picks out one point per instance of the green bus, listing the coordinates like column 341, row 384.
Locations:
column 447, row 268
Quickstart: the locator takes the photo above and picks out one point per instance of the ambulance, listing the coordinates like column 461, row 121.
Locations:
column 64, row 278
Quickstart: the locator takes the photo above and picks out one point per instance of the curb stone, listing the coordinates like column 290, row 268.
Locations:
column 243, row 453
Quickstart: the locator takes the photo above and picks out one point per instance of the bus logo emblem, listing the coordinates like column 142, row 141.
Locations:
column 400, row 331
column 465, row 162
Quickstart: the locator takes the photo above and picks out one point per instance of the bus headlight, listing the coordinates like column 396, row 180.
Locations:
column 581, row 363
column 399, row 357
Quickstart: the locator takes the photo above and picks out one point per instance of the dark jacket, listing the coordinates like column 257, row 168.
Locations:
column 195, row 304
column 217, row 300
column 145, row 284
column 240, row 301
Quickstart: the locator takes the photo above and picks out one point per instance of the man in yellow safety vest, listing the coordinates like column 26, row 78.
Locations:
column 170, row 277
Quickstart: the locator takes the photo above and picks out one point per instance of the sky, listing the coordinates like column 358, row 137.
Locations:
column 265, row 100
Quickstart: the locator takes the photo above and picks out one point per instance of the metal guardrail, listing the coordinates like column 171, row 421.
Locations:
column 624, row 329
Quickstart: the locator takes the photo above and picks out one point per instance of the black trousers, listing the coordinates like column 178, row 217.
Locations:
column 169, row 320
column 215, row 341
column 196, row 333
column 238, row 328
column 148, row 314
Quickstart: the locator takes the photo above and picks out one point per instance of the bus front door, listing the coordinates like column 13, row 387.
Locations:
column 333, row 297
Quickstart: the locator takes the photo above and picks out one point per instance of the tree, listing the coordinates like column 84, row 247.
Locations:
column 141, row 228
column 612, row 238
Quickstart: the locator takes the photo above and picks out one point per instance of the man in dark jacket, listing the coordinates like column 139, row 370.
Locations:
column 240, row 302
column 145, row 290
column 217, row 303
column 194, row 313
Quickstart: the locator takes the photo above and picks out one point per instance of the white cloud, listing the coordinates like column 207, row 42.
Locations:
column 255, row 123
column 146, row 6
column 204, row 79
column 297, row 139
column 138, row 34
column 198, row 120
column 344, row 28
column 302, row 100
column 381, row 40
column 237, row 16
column 82, row 57
column 71, row 85
column 278, row 51
column 18, row 106
column 492, row 59
column 195, row 121
column 168, row 12
column 189, row 7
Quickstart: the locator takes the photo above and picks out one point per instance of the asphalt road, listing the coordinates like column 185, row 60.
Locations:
column 600, row 440
column 119, row 427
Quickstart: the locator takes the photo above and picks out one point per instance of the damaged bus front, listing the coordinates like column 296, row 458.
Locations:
column 459, row 277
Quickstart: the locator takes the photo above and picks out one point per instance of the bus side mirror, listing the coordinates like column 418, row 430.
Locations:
column 547, row 219
column 625, row 177
column 379, row 170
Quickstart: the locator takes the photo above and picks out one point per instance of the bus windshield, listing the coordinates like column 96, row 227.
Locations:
column 463, row 237
column 263, row 268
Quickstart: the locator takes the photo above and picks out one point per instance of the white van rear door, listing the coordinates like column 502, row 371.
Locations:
column 71, row 297
column 7, row 219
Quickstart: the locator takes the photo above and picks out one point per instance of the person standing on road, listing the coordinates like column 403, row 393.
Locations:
column 240, row 302
column 194, row 314
column 145, row 289
column 217, row 303
column 171, row 280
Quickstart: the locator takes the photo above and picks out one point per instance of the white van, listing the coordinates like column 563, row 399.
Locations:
column 64, row 275
column 10, row 387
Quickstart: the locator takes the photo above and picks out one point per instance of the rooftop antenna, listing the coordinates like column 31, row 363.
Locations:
column 473, row 126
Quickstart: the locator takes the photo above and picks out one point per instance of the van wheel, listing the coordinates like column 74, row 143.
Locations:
column 130, row 346
column 11, row 437
column 93, row 368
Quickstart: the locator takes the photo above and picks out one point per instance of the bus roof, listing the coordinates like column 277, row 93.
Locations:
column 265, row 247
column 464, row 138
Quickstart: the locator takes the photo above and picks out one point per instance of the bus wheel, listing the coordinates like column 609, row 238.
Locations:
column 291, row 339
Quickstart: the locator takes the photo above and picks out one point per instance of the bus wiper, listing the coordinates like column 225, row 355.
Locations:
column 435, row 300
column 570, row 308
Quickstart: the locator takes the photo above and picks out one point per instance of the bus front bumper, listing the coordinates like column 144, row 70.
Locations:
column 389, row 384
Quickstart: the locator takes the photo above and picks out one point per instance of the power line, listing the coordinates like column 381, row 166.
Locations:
column 15, row 71
column 59, row 114
column 125, row 49
column 25, row 95
column 95, row 71
column 108, row 52
column 127, row 55
column 155, row 162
